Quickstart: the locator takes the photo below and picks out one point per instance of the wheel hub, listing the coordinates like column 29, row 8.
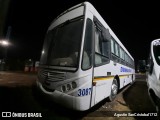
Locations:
column 114, row 89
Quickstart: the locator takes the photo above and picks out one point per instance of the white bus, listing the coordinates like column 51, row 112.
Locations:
column 153, row 74
column 82, row 60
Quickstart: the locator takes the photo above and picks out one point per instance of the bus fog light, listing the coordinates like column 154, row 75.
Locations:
column 68, row 87
column 63, row 88
column 74, row 85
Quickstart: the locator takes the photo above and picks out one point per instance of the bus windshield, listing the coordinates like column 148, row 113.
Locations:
column 62, row 45
column 156, row 50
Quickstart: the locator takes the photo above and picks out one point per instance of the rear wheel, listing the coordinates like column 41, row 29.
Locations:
column 131, row 83
column 114, row 90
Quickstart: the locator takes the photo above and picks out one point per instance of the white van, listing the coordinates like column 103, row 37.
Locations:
column 153, row 73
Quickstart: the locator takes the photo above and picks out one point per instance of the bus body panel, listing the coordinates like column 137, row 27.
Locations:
column 104, row 81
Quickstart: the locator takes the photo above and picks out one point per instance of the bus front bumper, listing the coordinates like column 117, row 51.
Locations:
column 68, row 101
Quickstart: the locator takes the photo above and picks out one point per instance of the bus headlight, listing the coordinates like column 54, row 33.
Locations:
column 63, row 88
column 74, row 85
column 68, row 87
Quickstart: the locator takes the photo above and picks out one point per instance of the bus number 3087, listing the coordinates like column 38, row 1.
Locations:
column 84, row 92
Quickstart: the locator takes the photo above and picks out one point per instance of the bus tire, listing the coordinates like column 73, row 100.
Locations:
column 132, row 81
column 114, row 90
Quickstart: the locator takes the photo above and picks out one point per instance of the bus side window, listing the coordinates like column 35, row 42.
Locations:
column 87, row 53
column 112, row 46
column 116, row 49
column 102, row 48
column 98, row 47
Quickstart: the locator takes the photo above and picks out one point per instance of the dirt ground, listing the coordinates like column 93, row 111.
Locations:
column 130, row 100
column 16, row 91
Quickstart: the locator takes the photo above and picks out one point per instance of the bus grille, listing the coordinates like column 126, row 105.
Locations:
column 51, row 75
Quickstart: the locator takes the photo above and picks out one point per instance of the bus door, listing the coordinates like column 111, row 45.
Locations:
column 101, row 62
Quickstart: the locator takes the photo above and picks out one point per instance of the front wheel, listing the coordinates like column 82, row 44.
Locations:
column 114, row 90
column 132, row 81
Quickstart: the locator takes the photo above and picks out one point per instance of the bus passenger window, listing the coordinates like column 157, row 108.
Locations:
column 102, row 48
column 121, row 53
column 112, row 46
column 98, row 59
column 116, row 49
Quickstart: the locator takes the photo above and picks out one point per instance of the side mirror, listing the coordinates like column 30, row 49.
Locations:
column 106, row 35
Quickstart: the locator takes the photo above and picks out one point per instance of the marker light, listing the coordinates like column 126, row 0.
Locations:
column 74, row 85
column 63, row 88
column 68, row 87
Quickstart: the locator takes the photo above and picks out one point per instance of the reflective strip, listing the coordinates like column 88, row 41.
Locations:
column 103, row 78
column 109, row 77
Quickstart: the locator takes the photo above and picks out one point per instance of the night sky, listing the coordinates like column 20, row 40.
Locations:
column 135, row 23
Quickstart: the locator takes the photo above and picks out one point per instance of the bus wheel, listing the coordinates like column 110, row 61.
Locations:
column 131, row 83
column 114, row 90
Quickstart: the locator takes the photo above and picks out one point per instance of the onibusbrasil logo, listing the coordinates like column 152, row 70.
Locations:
column 15, row 114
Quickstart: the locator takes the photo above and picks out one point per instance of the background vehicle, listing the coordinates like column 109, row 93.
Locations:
column 141, row 67
column 153, row 73
column 82, row 60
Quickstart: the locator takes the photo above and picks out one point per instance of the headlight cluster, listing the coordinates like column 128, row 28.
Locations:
column 68, row 86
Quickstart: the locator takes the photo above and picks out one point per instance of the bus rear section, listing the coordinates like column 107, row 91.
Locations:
column 153, row 73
